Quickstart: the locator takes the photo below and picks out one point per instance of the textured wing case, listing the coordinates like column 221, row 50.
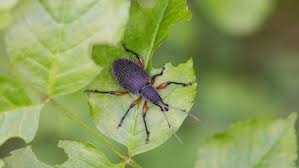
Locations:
column 129, row 75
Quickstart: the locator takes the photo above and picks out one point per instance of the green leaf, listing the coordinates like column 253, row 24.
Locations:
column 81, row 155
column 50, row 42
column 84, row 155
column 5, row 19
column 237, row 16
column 7, row 4
column 149, row 27
column 146, row 30
column 24, row 158
column 5, row 9
column 1, row 164
column 252, row 144
column 19, row 115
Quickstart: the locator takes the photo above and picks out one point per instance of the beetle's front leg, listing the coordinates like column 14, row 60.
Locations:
column 165, row 84
column 153, row 78
column 140, row 60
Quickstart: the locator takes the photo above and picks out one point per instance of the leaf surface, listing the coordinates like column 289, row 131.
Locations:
column 19, row 115
column 80, row 155
column 149, row 27
column 5, row 15
column 1, row 164
column 252, row 144
column 50, row 42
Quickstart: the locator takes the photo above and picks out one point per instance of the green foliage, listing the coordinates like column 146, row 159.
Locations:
column 252, row 144
column 1, row 164
column 237, row 16
column 80, row 155
column 49, row 44
column 13, row 96
column 50, row 41
column 19, row 115
column 5, row 9
column 147, row 29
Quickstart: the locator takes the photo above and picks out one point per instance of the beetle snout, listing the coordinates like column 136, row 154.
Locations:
column 164, row 107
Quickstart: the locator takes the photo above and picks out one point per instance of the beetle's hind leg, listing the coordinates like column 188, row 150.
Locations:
column 165, row 84
column 153, row 78
column 140, row 60
column 144, row 110
column 134, row 103
column 116, row 93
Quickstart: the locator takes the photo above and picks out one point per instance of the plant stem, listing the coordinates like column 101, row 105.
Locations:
column 95, row 134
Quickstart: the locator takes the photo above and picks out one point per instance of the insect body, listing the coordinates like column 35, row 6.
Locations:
column 135, row 80
column 132, row 77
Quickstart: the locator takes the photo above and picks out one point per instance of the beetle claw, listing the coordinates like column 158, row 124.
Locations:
column 119, row 125
column 123, row 43
column 147, row 137
column 189, row 84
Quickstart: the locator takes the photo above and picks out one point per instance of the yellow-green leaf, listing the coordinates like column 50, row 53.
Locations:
column 50, row 42
column 5, row 9
column 1, row 164
column 80, row 155
column 252, row 144
column 19, row 115
column 149, row 27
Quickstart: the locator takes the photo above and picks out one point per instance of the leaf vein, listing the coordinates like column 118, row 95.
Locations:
column 269, row 151
column 155, row 34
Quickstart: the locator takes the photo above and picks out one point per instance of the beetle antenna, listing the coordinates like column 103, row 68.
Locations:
column 177, row 137
column 184, row 111
column 178, row 109
column 166, row 119
column 171, row 128
column 194, row 117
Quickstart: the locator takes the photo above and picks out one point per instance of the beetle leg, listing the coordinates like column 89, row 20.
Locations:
column 116, row 93
column 135, row 102
column 140, row 60
column 165, row 84
column 144, row 110
column 153, row 78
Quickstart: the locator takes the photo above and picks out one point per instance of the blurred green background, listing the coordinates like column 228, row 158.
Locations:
column 246, row 57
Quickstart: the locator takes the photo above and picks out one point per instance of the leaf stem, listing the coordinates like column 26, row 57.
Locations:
column 95, row 134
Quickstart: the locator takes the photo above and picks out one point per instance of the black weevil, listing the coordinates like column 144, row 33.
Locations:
column 132, row 77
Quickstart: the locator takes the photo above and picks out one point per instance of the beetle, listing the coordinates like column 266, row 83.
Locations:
column 135, row 80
